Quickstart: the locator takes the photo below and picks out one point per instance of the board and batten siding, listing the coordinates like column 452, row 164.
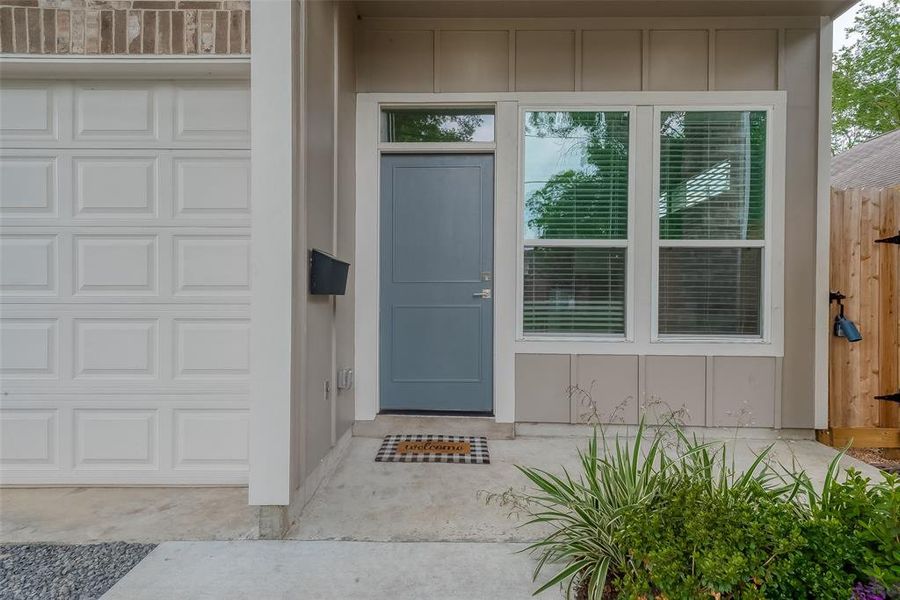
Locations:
column 653, row 54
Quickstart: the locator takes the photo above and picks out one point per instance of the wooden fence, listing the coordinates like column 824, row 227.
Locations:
column 868, row 273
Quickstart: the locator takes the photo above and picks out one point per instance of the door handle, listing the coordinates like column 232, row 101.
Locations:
column 485, row 293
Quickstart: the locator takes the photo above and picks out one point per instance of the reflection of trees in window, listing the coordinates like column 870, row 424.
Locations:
column 589, row 201
column 445, row 125
column 712, row 175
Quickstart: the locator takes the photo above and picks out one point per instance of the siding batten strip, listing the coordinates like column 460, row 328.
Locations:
column 436, row 84
column 579, row 59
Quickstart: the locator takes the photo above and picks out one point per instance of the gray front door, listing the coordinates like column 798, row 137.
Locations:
column 436, row 259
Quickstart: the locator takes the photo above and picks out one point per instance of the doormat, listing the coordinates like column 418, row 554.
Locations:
column 463, row 449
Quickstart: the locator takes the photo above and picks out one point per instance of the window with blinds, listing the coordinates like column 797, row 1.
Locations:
column 576, row 186
column 574, row 290
column 711, row 234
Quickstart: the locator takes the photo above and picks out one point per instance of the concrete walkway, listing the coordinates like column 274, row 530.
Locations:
column 330, row 570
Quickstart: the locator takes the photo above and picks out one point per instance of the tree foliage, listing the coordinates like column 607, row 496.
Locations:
column 866, row 84
column 430, row 126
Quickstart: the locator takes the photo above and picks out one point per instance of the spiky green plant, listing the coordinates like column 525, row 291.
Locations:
column 584, row 512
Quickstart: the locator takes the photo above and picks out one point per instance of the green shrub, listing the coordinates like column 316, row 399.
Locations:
column 694, row 545
column 667, row 516
column 870, row 515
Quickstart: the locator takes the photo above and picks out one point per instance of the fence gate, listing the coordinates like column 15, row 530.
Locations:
column 864, row 377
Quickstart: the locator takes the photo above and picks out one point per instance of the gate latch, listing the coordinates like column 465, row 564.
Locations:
column 895, row 239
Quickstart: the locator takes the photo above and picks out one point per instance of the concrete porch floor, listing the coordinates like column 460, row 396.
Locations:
column 416, row 502
column 133, row 514
column 361, row 501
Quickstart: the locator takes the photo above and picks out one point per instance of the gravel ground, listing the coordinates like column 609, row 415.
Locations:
column 79, row 572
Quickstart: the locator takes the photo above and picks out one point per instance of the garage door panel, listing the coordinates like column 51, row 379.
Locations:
column 127, row 187
column 28, row 185
column 105, row 349
column 29, row 438
column 107, row 438
column 116, row 112
column 115, row 185
column 115, row 264
column 28, row 111
column 212, row 114
column 211, row 186
column 28, row 348
column 28, row 265
column 124, row 281
column 119, row 348
column 212, row 348
column 125, row 114
column 212, row 265
column 211, row 439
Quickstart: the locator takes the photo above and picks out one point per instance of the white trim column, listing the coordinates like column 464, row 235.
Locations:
column 274, row 96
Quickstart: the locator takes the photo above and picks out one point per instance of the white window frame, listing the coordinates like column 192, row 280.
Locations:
column 523, row 243
column 766, row 244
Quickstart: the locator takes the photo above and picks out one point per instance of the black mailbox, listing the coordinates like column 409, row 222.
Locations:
column 327, row 275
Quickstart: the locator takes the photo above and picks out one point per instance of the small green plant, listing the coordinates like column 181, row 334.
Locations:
column 870, row 517
column 585, row 511
column 665, row 515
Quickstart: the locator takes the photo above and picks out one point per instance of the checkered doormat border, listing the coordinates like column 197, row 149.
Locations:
column 478, row 454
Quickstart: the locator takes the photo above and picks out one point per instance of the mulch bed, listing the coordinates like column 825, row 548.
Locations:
column 876, row 457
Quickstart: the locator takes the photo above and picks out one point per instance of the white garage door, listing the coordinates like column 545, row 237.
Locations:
column 124, row 274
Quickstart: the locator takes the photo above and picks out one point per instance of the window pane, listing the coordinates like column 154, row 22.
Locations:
column 574, row 290
column 437, row 125
column 712, row 175
column 710, row 291
column 576, row 175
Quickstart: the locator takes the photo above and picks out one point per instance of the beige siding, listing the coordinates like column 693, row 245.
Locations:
column 679, row 60
column 611, row 60
column 676, row 383
column 746, row 59
column 319, row 224
column 474, row 61
column 732, row 53
column 720, row 391
column 801, row 82
column 608, row 389
column 542, row 388
column 325, row 323
column 743, row 391
column 545, row 61
column 397, row 61
column 346, row 198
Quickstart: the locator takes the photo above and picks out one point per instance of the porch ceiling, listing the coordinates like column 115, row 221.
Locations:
column 598, row 8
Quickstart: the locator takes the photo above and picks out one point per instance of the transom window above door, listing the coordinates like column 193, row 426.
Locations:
column 437, row 125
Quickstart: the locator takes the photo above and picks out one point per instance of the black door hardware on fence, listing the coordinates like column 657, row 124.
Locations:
column 843, row 327
column 894, row 239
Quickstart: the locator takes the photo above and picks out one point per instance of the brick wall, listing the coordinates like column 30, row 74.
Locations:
column 125, row 27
